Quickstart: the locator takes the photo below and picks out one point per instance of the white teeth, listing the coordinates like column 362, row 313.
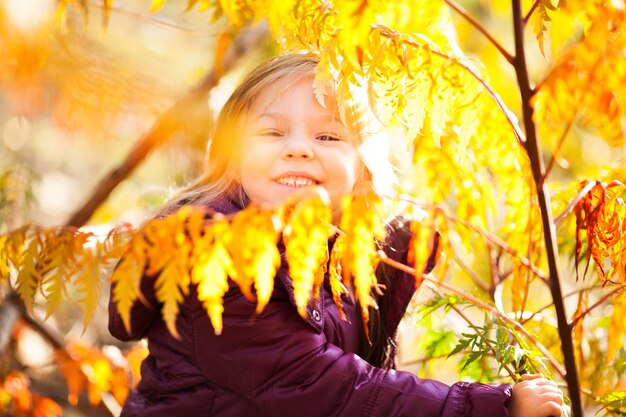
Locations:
column 296, row 181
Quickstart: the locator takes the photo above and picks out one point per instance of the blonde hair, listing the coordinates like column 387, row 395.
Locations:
column 287, row 69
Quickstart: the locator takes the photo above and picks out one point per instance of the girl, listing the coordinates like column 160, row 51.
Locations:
column 272, row 138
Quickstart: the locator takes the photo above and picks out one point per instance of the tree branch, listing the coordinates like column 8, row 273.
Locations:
column 533, row 150
column 167, row 124
column 9, row 314
column 109, row 404
column 481, row 29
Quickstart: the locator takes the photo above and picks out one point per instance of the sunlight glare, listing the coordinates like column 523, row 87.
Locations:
column 28, row 14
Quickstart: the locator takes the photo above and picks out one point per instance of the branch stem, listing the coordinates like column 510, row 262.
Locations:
column 460, row 10
column 531, row 11
column 556, row 150
column 533, row 150
column 595, row 305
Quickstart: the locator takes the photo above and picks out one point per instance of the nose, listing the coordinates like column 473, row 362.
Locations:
column 298, row 146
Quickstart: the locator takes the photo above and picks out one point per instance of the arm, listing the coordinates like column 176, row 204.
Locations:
column 285, row 367
column 400, row 285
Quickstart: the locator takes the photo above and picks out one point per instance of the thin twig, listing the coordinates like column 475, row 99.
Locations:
column 554, row 153
column 153, row 20
column 595, row 305
column 581, row 194
column 479, row 303
column 531, row 11
column 481, row 29
column 472, row 274
column 547, row 306
column 493, row 267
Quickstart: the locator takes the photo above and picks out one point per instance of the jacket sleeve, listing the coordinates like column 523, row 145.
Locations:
column 285, row 367
column 400, row 285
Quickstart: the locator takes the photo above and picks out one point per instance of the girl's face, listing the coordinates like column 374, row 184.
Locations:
column 290, row 141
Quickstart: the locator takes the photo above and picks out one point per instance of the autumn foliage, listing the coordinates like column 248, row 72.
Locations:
column 531, row 229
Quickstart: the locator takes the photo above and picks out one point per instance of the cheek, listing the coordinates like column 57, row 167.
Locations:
column 348, row 173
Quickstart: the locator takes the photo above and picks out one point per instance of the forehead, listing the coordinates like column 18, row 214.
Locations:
column 295, row 97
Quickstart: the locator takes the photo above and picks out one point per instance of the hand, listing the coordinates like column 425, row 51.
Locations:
column 536, row 396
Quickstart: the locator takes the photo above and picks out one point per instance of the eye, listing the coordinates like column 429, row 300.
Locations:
column 271, row 133
column 328, row 137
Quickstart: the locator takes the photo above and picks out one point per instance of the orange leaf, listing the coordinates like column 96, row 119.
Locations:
column 421, row 246
column 45, row 407
column 71, row 370
column 134, row 357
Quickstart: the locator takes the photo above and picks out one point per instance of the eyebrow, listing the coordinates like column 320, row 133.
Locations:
column 320, row 118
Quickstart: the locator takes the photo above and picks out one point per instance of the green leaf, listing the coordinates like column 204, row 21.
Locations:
column 614, row 403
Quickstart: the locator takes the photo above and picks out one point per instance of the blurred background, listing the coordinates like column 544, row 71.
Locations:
column 80, row 88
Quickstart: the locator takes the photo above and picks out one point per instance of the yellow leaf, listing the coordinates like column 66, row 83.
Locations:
column 29, row 278
column 116, row 242
column 126, row 278
column 362, row 222
column 335, row 275
column 11, row 248
column 306, row 246
column 5, row 265
column 54, row 260
column 539, row 20
column 134, row 357
column 156, row 5
column 171, row 286
column 212, row 267
column 254, row 253
column 88, row 283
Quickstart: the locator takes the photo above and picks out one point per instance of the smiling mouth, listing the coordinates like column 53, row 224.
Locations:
column 296, row 181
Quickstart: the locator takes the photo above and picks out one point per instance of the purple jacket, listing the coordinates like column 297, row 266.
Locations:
column 279, row 364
